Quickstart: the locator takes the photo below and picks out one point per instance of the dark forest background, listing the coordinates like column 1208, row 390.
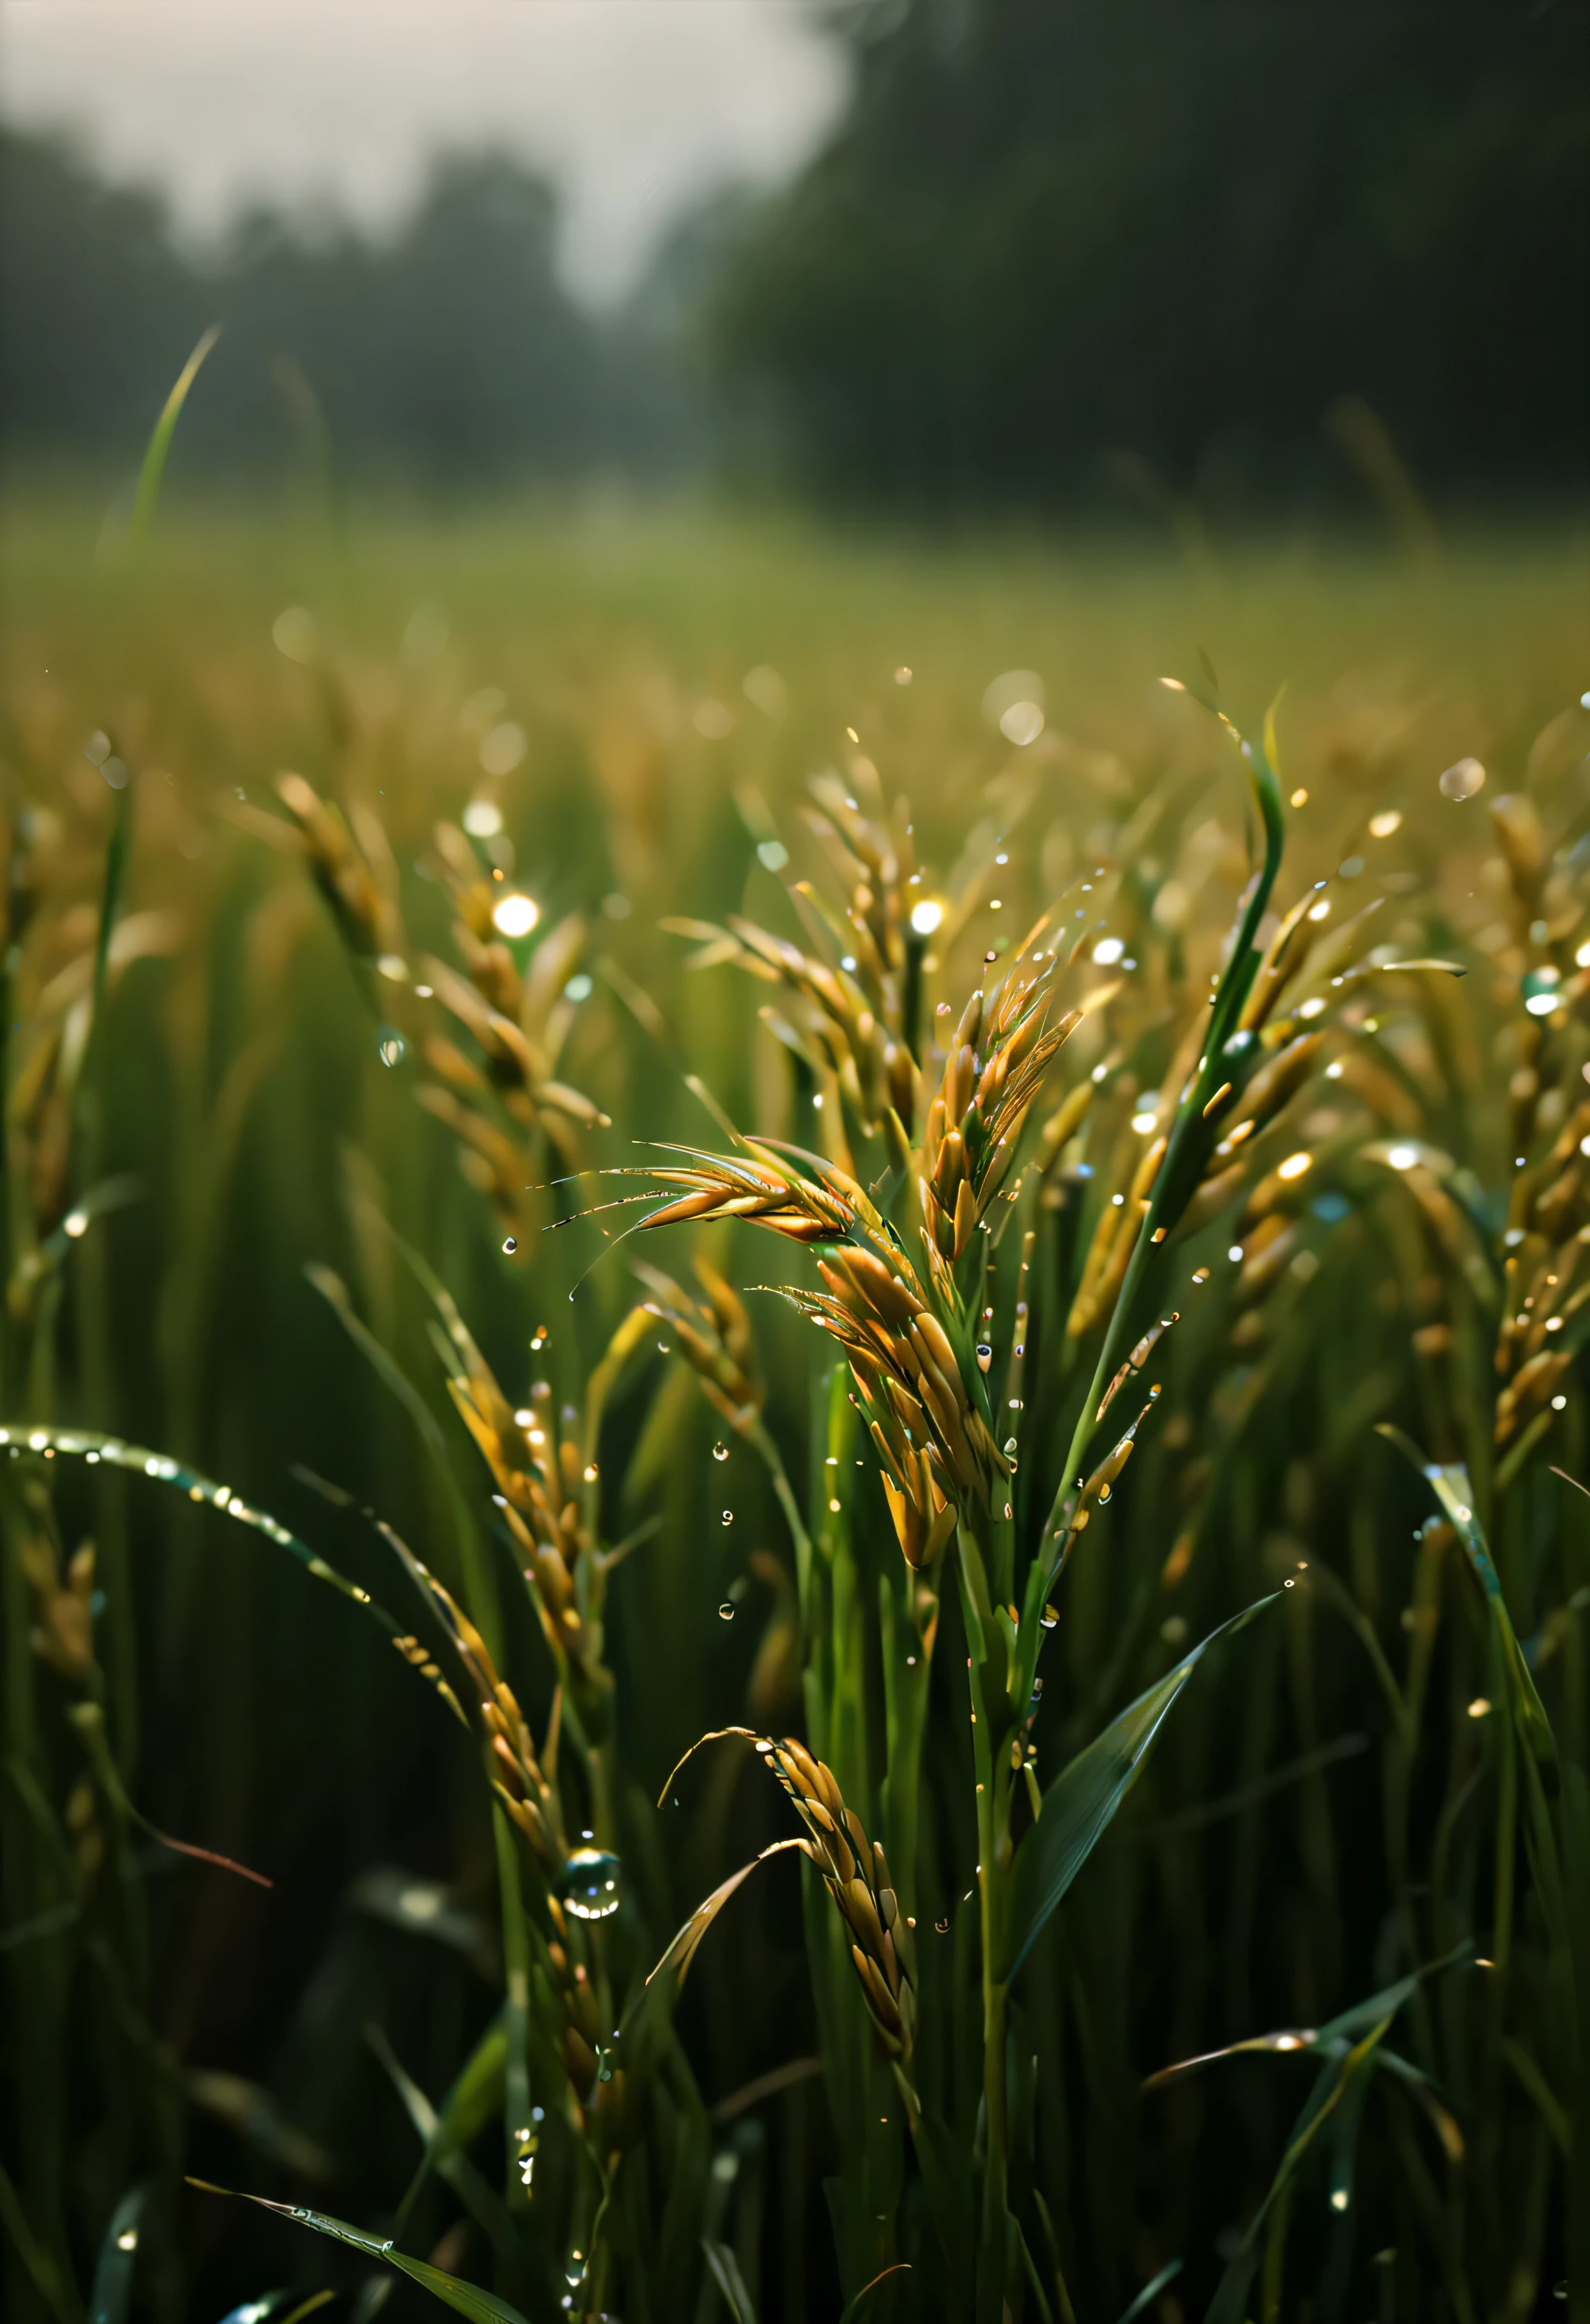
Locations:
column 1055, row 248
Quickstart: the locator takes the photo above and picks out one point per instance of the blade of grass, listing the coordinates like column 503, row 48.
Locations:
column 1084, row 1796
column 153, row 465
column 467, row 2300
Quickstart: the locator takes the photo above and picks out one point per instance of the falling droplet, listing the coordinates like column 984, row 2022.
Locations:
column 391, row 1047
column 588, row 1885
column 719, row 1451
column 725, row 1612
column 509, row 1245
column 1462, row 780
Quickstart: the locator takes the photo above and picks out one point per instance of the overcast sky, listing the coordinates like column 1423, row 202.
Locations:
column 633, row 106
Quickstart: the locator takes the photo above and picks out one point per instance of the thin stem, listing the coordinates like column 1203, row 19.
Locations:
column 761, row 1443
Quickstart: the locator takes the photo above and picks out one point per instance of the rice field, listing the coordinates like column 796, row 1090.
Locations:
column 955, row 1163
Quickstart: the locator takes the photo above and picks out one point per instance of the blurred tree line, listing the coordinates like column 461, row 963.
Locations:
column 1196, row 248
column 1181, row 232
column 450, row 349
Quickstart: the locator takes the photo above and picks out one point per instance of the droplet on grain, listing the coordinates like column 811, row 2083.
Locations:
column 1463, row 779
column 390, row 1046
column 719, row 1451
column 508, row 1246
column 588, row 1885
column 985, row 1355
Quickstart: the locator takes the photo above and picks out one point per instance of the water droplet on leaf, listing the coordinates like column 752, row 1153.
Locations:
column 729, row 1516
column 390, row 1046
column 509, row 1245
column 725, row 1612
column 719, row 1451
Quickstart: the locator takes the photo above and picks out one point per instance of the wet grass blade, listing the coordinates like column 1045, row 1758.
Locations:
column 87, row 1445
column 466, row 2300
column 1084, row 1796
column 1335, row 2036
column 1155, row 2284
column 118, row 2253
column 1330, row 2089
column 1455, row 1493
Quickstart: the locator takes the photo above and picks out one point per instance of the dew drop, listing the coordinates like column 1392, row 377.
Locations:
column 725, row 1612
column 942, row 1927
column 588, row 1885
column 985, row 1355
column 391, row 1047
column 1462, row 780
column 719, row 1451
column 509, row 1245
column 729, row 1516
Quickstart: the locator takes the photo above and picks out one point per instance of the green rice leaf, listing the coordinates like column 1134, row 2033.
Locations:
column 1334, row 2084
column 729, row 2282
column 1155, row 2284
column 118, row 2253
column 1452, row 1488
column 1332, row 2039
column 87, row 1445
column 1084, row 1796
column 159, row 441
column 682, row 1949
column 858, row 2307
column 466, row 2300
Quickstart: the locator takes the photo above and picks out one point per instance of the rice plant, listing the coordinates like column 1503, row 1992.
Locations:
column 1148, row 1733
